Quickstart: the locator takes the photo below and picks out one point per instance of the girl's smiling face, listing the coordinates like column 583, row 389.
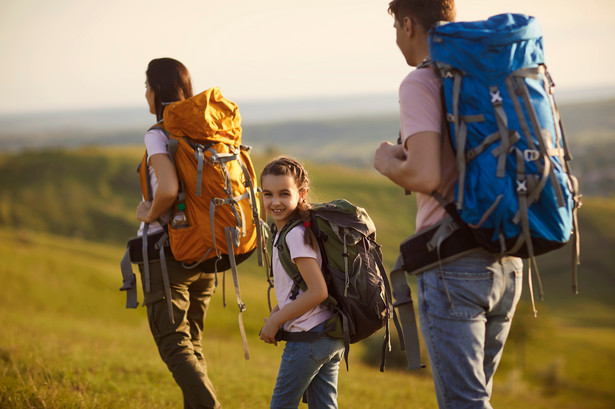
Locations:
column 281, row 197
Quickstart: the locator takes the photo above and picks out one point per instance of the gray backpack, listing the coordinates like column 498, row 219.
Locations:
column 359, row 291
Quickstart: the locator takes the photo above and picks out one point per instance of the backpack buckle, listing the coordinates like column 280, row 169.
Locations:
column 522, row 186
column 531, row 155
column 496, row 97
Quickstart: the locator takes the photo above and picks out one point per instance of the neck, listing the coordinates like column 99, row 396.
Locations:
column 421, row 47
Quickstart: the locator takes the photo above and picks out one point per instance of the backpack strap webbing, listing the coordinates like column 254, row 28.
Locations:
column 287, row 263
column 405, row 306
column 129, row 281
column 386, row 345
column 268, row 263
column 240, row 303
column 249, row 183
column 165, row 275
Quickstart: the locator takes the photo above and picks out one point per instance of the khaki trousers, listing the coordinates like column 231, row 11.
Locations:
column 180, row 344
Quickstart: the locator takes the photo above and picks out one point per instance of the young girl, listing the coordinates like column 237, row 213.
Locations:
column 179, row 342
column 307, row 366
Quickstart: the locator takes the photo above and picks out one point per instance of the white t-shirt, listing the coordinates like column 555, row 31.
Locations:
column 284, row 284
column 155, row 142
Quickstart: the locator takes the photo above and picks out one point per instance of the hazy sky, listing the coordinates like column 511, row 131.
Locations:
column 60, row 54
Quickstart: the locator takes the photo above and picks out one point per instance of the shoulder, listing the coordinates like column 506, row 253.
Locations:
column 420, row 103
column 296, row 243
column 421, row 82
column 155, row 141
column 296, row 234
column 155, row 134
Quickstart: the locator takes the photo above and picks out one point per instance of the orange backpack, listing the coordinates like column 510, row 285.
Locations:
column 216, row 176
column 217, row 185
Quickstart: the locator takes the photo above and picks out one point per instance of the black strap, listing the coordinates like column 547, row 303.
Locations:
column 303, row 336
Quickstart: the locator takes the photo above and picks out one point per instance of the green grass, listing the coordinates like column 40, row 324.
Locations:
column 67, row 341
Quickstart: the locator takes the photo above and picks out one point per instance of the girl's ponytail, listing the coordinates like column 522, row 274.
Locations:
column 305, row 214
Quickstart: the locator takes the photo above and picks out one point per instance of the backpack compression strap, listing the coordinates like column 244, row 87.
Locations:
column 129, row 281
column 240, row 303
column 255, row 216
column 403, row 302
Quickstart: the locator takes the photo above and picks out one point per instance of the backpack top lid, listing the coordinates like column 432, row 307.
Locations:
column 207, row 116
column 489, row 49
column 345, row 214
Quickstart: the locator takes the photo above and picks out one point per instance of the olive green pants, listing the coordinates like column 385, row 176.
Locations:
column 180, row 343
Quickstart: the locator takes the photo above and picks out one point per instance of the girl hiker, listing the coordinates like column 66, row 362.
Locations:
column 311, row 364
column 178, row 340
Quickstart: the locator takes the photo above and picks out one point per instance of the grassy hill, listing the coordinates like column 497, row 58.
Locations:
column 68, row 342
column 93, row 193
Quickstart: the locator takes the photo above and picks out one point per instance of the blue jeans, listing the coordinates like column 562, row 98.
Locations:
column 309, row 367
column 466, row 332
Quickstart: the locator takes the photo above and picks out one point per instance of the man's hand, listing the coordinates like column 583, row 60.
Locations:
column 416, row 168
column 385, row 154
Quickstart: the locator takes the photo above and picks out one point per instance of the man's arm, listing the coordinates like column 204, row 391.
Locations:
column 416, row 170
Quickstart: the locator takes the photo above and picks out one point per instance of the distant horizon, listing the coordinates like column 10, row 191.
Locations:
column 258, row 110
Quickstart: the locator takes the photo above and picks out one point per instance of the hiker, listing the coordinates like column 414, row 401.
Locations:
column 178, row 339
column 309, row 367
column 465, row 306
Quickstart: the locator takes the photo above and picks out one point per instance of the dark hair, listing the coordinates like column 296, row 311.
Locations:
column 283, row 166
column 425, row 12
column 169, row 80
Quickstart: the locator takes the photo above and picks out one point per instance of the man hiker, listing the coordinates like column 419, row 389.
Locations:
column 465, row 306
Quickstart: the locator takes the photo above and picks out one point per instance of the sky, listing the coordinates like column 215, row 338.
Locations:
column 73, row 54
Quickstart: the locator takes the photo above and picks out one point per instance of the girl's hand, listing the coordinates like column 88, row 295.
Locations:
column 270, row 329
column 143, row 211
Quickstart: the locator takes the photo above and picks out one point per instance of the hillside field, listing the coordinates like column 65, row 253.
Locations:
column 68, row 342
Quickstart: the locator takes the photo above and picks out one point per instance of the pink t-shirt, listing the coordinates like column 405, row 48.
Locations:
column 421, row 111
column 155, row 142
column 284, row 284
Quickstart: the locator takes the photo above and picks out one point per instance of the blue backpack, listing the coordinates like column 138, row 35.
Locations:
column 515, row 191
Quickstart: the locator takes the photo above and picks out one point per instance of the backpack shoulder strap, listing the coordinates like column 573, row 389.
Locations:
column 146, row 187
column 143, row 168
column 285, row 259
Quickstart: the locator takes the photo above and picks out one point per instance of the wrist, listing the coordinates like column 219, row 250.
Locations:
column 149, row 218
column 274, row 320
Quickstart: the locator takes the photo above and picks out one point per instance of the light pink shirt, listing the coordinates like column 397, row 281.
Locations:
column 155, row 142
column 421, row 111
column 284, row 284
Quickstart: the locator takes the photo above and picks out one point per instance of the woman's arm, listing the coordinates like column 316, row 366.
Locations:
column 166, row 192
column 315, row 294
